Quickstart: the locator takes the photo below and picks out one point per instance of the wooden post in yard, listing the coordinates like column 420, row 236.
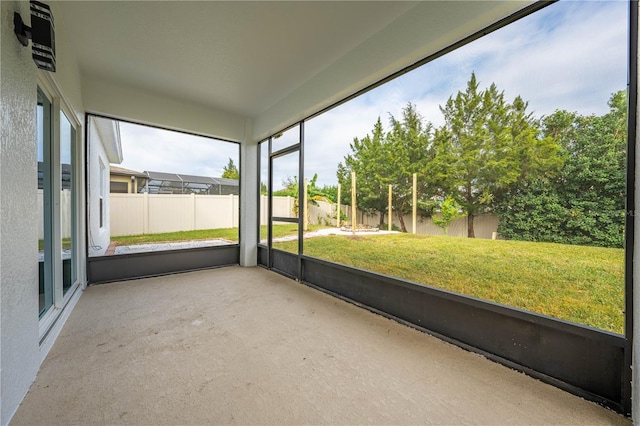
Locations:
column 305, row 219
column 353, row 202
column 415, row 201
column 390, row 206
column 339, row 213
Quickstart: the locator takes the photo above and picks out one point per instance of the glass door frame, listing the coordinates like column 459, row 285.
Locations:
column 48, row 274
column 52, row 176
column 291, row 149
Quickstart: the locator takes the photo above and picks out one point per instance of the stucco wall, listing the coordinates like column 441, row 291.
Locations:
column 19, row 345
column 248, row 199
column 21, row 351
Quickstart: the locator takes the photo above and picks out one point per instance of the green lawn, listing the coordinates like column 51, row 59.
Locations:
column 66, row 244
column 575, row 283
column 230, row 234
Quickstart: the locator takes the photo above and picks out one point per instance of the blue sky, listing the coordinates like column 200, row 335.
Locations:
column 571, row 55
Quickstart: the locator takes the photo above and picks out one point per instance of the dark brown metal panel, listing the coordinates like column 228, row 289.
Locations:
column 585, row 361
column 263, row 256
column 285, row 263
column 632, row 128
column 138, row 265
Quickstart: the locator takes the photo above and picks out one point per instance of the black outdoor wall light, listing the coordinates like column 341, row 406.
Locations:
column 41, row 33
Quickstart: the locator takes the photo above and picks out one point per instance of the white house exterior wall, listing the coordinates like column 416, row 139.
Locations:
column 99, row 238
column 21, row 351
column 19, row 346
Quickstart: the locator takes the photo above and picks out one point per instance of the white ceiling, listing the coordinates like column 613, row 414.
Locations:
column 263, row 60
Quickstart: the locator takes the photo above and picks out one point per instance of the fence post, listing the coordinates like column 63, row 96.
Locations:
column 193, row 212
column 231, row 210
column 339, row 212
column 305, row 218
column 390, row 215
column 353, row 203
column 236, row 210
column 415, row 201
column 145, row 213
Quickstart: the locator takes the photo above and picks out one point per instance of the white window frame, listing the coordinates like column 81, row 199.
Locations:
column 102, row 214
column 59, row 105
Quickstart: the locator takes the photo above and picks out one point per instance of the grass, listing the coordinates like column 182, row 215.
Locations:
column 580, row 284
column 288, row 229
column 230, row 234
column 66, row 244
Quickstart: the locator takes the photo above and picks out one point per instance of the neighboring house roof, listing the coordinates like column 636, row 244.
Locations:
column 174, row 177
column 109, row 132
column 121, row 171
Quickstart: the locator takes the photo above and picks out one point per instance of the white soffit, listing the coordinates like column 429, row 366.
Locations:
column 109, row 132
column 262, row 60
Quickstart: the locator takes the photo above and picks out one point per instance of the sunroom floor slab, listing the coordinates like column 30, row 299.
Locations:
column 247, row 346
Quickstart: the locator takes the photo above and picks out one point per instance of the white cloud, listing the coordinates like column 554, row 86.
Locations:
column 147, row 148
column 570, row 55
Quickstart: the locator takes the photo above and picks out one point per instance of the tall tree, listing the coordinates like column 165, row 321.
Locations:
column 486, row 148
column 382, row 159
column 408, row 152
column 369, row 158
column 230, row 171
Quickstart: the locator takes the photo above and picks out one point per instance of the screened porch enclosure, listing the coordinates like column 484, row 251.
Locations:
column 591, row 361
column 170, row 183
column 508, row 121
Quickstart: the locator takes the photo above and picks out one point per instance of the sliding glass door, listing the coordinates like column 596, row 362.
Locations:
column 56, row 192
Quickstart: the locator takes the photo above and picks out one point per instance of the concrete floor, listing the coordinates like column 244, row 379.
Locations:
column 247, row 346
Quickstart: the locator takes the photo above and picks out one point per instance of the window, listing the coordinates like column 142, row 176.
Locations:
column 264, row 198
column 57, row 194
column 119, row 188
column 101, row 200
column 68, row 191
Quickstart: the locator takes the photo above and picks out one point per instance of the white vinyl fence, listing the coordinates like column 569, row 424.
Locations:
column 325, row 214
column 133, row 214
column 483, row 225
